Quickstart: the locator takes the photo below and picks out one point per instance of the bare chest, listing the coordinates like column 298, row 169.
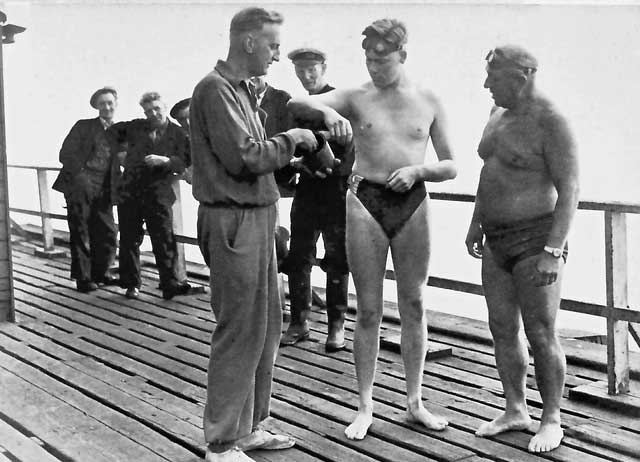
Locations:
column 403, row 118
column 516, row 143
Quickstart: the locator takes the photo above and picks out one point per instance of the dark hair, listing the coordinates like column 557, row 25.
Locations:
column 254, row 18
column 149, row 97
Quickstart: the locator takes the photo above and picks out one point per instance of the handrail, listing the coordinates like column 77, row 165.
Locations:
column 620, row 319
column 612, row 206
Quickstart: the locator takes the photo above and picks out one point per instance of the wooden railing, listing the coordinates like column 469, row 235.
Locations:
column 621, row 320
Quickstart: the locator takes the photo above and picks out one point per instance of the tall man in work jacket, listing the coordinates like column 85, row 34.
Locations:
column 156, row 150
column 233, row 181
column 86, row 180
column 318, row 207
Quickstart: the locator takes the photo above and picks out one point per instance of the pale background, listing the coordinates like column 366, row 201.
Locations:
column 589, row 66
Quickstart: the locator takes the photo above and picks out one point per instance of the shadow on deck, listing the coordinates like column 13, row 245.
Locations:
column 97, row 377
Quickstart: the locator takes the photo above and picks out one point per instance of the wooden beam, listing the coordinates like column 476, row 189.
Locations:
column 616, row 285
column 7, row 303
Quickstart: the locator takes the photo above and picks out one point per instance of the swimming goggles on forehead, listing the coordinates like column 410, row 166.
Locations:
column 380, row 45
column 497, row 58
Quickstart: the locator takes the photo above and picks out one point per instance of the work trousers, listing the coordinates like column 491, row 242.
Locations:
column 238, row 244
column 92, row 232
column 318, row 207
column 157, row 215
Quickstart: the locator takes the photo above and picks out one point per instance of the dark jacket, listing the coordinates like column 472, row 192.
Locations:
column 77, row 148
column 138, row 179
column 278, row 120
column 346, row 154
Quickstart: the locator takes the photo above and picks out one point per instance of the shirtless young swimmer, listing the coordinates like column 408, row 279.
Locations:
column 527, row 196
column 392, row 120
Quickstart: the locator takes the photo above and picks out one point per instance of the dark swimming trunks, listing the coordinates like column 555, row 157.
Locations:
column 390, row 209
column 516, row 241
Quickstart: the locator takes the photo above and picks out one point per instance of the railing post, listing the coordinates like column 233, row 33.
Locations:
column 178, row 228
column 43, row 194
column 7, row 301
column 615, row 226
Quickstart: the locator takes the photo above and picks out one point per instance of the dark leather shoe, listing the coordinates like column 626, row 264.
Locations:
column 335, row 338
column 132, row 292
column 294, row 334
column 86, row 286
column 179, row 289
column 109, row 280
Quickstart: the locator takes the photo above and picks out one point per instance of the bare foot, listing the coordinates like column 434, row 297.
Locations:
column 426, row 418
column 504, row 423
column 548, row 438
column 358, row 429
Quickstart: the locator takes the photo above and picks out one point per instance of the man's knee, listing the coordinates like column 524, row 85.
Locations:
column 541, row 334
column 411, row 307
column 369, row 318
column 504, row 331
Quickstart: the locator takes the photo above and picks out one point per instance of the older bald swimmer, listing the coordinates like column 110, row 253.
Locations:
column 388, row 203
column 527, row 196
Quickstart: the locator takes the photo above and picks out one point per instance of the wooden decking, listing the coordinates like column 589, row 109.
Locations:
column 97, row 377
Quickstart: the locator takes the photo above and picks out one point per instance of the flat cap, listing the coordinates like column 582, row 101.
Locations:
column 101, row 91
column 179, row 106
column 512, row 55
column 385, row 36
column 307, row 53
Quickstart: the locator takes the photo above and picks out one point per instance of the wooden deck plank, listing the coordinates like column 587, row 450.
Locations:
column 21, row 446
column 79, row 433
column 150, row 415
column 151, row 354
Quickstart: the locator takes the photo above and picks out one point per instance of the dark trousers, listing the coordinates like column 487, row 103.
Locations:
column 318, row 207
column 132, row 213
column 92, row 233
column 238, row 244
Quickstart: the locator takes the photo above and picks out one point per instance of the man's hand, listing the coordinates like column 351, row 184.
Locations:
column 298, row 164
column 304, row 139
column 475, row 240
column 122, row 155
column 339, row 127
column 402, row 180
column 154, row 160
column 187, row 175
column 545, row 269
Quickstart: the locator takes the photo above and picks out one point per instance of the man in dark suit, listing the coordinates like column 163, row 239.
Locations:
column 86, row 180
column 156, row 150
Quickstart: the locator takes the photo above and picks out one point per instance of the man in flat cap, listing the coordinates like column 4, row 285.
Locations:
column 318, row 207
column 526, row 200
column 87, row 181
column 387, row 204
column 233, row 181
column 156, row 151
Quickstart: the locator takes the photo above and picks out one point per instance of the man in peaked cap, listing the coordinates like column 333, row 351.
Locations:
column 87, row 181
column 526, row 200
column 387, row 204
column 318, row 207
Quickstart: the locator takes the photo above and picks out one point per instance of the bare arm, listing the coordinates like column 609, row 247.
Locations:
column 332, row 108
column 562, row 163
column 445, row 168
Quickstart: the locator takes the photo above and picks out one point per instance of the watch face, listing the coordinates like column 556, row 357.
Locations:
column 557, row 253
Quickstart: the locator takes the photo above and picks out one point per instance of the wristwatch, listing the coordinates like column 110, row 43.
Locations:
column 557, row 253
